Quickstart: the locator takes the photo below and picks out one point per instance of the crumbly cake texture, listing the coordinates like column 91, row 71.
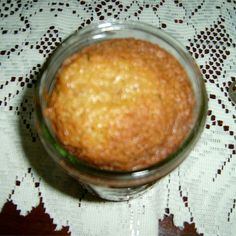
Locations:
column 121, row 104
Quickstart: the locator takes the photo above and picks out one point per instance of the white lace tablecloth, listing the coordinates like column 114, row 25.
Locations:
column 199, row 196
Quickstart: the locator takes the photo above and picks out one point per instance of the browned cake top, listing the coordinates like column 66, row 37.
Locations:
column 121, row 104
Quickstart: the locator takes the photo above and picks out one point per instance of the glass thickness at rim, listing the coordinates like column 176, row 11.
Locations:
column 95, row 32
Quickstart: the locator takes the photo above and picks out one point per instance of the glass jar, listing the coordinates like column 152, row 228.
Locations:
column 117, row 185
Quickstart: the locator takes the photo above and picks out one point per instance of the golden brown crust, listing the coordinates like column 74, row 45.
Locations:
column 121, row 104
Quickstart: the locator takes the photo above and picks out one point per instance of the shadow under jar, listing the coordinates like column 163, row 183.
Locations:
column 117, row 185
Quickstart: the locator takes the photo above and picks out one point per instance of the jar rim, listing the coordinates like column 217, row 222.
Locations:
column 54, row 145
